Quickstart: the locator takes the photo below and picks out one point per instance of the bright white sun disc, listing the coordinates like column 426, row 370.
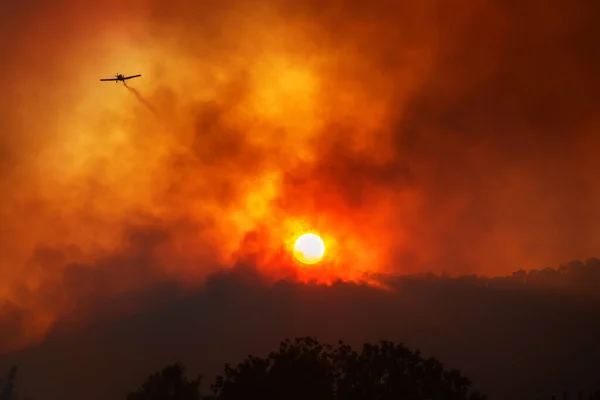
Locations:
column 309, row 248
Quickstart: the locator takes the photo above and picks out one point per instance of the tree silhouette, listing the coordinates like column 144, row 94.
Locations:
column 7, row 385
column 169, row 384
column 306, row 369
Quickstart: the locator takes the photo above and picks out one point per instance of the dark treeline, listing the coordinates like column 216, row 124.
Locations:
column 576, row 276
column 524, row 336
column 307, row 369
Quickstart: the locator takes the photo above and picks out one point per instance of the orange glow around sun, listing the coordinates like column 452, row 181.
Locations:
column 309, row 248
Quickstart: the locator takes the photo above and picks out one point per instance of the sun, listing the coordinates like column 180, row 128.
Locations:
column 309, row 248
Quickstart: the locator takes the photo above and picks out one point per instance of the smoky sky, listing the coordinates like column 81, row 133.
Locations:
column 456, row 137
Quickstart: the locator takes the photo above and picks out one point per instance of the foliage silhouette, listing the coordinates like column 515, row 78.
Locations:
column 306, row 368
column 7, row 385
column 169, row 384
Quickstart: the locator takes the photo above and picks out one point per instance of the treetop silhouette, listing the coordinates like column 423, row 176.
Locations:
column 170, row 383
column 305, row 368
column 7, row 385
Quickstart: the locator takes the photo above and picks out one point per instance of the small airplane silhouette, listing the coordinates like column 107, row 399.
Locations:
column 119, row 77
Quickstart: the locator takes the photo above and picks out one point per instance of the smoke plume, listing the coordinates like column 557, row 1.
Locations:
column 413, row 136
column 141, row 99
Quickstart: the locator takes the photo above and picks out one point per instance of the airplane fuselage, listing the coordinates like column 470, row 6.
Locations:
column 120, row 78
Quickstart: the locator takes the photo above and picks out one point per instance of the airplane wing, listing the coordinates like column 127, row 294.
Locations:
column 108, row 79
column 132, row 76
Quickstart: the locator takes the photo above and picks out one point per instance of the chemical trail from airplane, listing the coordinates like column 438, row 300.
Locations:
column 141, row 99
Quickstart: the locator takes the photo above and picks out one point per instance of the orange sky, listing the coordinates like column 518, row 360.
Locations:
column 413, row 137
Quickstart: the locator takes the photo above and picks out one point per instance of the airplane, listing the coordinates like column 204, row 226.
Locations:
column 119, row 77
